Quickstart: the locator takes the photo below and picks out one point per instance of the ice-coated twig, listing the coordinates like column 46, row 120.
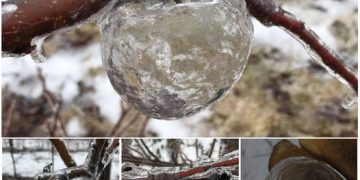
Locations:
column 110, row 150
column 204, row 169
column 63, row 152
column 72, row 172
column 102, row 144
column 93, row 156
column 94, row 166
column 271, row 14
column 145, row 161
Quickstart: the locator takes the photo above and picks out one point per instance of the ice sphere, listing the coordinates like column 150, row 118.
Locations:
column 298, row 168
column 171, row 61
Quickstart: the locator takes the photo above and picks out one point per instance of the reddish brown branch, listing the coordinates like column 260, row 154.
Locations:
column 269, row 13
column 39, row 17
column 145, row 161
column 71, row 172
column 63, row 152
column 201, row 169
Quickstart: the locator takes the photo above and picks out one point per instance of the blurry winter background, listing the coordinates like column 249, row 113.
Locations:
column 281, row 92
column 155, row 153
column 32, row 155
column 255, row 155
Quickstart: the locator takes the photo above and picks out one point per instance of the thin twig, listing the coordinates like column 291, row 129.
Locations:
column 211, row 148
column 55, row 103
column 143, row 127
column 126, row 126
column 149, row 151
column 125, row 111
column 12, row 156
column 142, row 149
column 9, row 117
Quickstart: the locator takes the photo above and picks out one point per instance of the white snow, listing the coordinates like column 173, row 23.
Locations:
column 74, row 128
column 62, row 71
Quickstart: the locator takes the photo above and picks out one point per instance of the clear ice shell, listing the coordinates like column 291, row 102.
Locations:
column 173, row 61
column 299, row 168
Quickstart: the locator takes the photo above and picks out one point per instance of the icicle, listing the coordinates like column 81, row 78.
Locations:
column 349, row 100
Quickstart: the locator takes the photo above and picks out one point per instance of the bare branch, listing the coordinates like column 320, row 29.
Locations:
column 149, row 151
column 56, row 104
column 72, row 172
column 12, row 156
column 63, row 152
column 211, row 148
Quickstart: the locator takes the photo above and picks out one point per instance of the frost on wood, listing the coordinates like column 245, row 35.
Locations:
column 171, row 61
column 298, row 168
column 204, row 169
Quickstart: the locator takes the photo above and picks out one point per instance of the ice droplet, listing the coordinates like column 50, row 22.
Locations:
column 171, row 61
column 349, row 100
column 38, row 54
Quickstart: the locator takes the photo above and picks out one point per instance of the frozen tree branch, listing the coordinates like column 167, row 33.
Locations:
column 99, row 156
column 93, row 168
column 63, row 152
column 173, row 175
column 271, row 14
column 72, row 172
column 144, row 161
